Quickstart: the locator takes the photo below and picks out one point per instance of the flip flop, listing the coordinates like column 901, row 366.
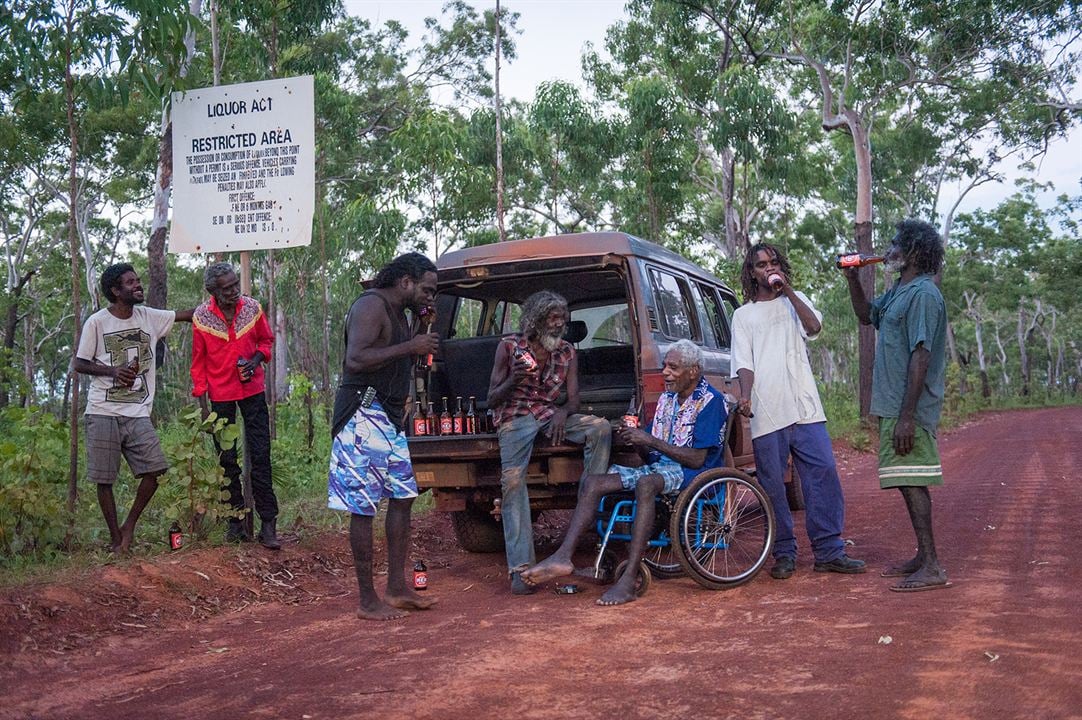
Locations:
column 919, row 586
column 894, row 572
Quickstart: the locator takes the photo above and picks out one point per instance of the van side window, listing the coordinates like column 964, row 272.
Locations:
column 675, row 305
column 715, row 315
column 467, row 318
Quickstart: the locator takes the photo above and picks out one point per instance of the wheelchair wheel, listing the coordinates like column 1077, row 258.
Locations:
column 663, row 562
column 642, row 582
column 662, row 559
column 722, row 528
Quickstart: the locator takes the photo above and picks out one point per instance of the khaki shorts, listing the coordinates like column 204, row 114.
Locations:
column 108, row 437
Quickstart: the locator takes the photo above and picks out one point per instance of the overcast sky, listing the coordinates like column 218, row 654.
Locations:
column 554, row 33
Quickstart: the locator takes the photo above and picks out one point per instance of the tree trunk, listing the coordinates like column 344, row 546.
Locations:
column 157, row 287
column 76, row 282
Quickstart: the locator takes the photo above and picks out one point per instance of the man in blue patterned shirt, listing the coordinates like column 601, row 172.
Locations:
column 684, row 439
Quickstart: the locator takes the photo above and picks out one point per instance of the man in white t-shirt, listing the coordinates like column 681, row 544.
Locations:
column 116, row 349
column 778, row 393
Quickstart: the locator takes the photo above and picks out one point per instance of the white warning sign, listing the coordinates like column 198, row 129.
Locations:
column 243, row 166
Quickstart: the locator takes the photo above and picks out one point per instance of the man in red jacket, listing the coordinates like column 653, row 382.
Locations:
column 230, row 342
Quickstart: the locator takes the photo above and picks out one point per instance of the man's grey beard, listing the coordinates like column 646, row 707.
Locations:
column 550, row 342
column 894, row 266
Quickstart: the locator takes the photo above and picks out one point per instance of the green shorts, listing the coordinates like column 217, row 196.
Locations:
column 920, row 468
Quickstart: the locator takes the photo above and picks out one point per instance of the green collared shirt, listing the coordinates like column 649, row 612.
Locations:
column 907, row 316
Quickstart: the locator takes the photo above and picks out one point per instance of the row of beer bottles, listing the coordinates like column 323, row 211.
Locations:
column 464, row 421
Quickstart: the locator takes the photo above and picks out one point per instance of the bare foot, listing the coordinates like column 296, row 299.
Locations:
column 902, row 569
column 127, row 535
column 410, row 600
column 617, row 595
column 380, row 611
column 550, row 569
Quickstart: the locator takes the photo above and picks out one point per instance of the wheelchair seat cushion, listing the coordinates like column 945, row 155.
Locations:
column 669, row 470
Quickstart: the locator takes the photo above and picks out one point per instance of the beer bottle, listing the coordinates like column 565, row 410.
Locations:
column 420, row 575
column 631, row 417
column 176, row 538
column 431, row 423
column 858, row 260
column 459, row 421
column 447, row 426
column 420, row 422
column 471, row 417
column 527, row 357
column 490, row 421
column 424, row 362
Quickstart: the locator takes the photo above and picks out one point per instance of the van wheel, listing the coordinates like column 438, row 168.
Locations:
column 477, row 531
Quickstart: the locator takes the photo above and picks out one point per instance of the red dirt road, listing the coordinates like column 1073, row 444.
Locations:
column 241, row 633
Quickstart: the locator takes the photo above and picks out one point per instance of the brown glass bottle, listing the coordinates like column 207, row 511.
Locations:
column 447, row 425
column 420, row 422
column 858, row 260
column 471, row 416
column 459, row 419
column 431, row 421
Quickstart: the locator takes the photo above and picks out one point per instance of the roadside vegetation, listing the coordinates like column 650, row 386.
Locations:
column 703, row 126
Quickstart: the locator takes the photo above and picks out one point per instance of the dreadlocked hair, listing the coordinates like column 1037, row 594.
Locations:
column 921, row 245
column 748, row 285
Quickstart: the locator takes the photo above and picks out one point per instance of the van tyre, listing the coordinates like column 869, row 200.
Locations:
column 477, row 531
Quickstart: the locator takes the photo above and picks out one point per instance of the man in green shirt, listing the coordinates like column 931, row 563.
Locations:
column 907, row 387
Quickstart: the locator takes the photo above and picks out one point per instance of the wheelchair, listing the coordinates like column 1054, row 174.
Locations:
column 718, row 530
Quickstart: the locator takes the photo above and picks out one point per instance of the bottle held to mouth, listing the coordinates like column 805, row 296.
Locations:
column 859, row 260
column 777, row 282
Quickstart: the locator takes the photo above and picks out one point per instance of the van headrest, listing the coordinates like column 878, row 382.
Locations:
column 575, row 332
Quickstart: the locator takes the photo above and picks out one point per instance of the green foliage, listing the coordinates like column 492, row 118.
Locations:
column 193, row 490
column 34, row 467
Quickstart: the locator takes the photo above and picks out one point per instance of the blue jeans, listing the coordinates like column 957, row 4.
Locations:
column 824, row 506
column 516, row 444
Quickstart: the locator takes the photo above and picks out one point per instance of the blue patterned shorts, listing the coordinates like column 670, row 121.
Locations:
column 669, row 470
column 369, row 461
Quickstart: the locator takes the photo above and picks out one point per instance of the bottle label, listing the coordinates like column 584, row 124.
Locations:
column 631, row 421
column 176, row 541
column 446, row 426
column 458, row 425
column 420, row 580
column 420, row 426
column 471, row 426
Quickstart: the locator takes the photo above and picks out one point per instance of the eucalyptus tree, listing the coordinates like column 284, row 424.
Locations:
column 863, row 60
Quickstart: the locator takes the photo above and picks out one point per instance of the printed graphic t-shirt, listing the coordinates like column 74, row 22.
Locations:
column 111, row 341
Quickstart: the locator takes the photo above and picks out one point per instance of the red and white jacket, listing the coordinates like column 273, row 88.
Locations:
column 217, row 344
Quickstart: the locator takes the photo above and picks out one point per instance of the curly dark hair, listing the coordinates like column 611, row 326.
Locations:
column 920, row 245
column 414, row 265
column 748, row 284
column 111, row 279
column 537, row 308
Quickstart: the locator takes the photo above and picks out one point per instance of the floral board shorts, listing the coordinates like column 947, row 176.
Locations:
column 370, row 460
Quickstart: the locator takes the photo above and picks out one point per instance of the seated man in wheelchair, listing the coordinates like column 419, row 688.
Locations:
column 684, row 438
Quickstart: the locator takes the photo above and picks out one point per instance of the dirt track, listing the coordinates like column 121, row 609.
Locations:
column 228, row 633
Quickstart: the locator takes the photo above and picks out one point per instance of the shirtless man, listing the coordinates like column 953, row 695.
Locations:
column 369, row 456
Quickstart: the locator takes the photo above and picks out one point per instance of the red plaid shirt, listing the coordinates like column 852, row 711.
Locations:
column 536, row 395
column 217, row 344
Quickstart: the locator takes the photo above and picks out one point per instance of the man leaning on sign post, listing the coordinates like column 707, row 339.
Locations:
column 231, row 340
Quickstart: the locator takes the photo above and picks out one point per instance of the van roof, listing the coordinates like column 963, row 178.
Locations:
column 571, row 245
